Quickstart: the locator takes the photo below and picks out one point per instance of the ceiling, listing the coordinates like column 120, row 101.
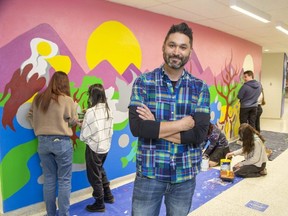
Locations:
column 218, row 15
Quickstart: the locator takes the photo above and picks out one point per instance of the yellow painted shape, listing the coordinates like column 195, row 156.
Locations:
column 222, row 111
column 44, row 48
column 60, row 63
column 114, row 42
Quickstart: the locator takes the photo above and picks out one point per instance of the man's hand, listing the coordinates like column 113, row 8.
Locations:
column 187, row 123
column 145, row 113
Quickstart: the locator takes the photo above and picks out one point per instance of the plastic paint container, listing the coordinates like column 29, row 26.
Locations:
column 205, row 163
column 225, row 170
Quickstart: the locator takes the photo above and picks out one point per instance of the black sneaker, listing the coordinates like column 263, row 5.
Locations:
column 96, row 207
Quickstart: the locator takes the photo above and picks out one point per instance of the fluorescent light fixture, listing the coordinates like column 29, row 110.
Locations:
column 282, row 27
column 249, row 10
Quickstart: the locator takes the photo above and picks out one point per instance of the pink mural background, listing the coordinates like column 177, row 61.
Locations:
column 77, row 26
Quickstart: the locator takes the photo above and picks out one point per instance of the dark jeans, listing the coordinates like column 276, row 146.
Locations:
column 148, row 194
column 259, row 113
column 218, row 153
column 96, row 173
column 248, row 115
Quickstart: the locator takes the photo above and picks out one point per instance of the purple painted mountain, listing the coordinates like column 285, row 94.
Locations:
column 18, row 50
column 207, row 75
column 13, row 54
column 108, row 74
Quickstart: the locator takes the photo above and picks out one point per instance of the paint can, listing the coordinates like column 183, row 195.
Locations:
column 225, row 164
column 225, row 170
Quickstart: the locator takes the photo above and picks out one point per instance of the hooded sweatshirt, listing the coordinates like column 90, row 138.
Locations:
column 249, row 93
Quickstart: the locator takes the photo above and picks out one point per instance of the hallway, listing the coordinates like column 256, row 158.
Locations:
column 268, row 192
column 266, row 195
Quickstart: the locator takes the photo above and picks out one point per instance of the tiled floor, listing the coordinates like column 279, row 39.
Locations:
column 269, row 192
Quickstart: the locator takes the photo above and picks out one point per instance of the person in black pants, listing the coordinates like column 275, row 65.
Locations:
column 96, row 132
column 216, row 144
column 248, row 96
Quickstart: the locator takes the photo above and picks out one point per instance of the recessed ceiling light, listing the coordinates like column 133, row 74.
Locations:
column 249, row 10
column 282, row 27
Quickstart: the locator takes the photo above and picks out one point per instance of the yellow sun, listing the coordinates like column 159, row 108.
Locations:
column 114, row 42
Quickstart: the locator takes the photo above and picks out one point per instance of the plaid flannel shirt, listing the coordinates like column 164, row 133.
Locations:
column 158, row 158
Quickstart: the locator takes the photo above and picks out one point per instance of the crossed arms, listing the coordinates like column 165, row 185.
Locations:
column 188, row 130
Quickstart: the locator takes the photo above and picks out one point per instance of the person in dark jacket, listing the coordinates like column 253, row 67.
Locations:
column 248, row 96
column 216, row 145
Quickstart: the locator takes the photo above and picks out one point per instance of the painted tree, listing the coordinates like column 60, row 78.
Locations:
column 227, row 88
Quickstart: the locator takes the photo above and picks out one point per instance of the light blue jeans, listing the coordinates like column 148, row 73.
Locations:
column 56, row 154
column 148, row 194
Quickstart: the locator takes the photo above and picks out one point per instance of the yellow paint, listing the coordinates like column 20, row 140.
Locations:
column 114, row 42
column 44, row 48
column 222, row 111
column 60, row 63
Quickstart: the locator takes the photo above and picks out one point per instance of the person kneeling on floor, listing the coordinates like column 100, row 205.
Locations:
column 253, row 151
column 216, row 145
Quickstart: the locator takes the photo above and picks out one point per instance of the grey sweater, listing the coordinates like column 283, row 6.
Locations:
column 256, row 157
column 249, row 93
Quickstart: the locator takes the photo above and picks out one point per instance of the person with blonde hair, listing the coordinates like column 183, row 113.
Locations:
column 52, row 114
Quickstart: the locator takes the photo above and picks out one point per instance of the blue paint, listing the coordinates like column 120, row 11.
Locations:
column 208, row 186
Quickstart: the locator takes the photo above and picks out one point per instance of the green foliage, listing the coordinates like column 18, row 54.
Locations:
column 79, row 152
column 14, row 168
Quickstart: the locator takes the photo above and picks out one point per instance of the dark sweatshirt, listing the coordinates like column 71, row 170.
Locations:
column 249, row 93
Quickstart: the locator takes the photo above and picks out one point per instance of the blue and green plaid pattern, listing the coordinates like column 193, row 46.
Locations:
column 158, row 158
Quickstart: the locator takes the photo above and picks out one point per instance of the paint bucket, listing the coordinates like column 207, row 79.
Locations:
column 225, row 164
column 225, row 170
column 205, row 162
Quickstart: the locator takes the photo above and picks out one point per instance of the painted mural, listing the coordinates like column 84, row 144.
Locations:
column 115, row 60
column 36, row 55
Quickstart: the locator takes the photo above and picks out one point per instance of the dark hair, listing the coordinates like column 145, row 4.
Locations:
column 96, row 95
column 210, row 129
column 181, row 28
column 58, row 85
column 246, row 134
column 249, row 73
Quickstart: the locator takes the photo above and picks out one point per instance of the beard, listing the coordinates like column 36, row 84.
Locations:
column 175, row 61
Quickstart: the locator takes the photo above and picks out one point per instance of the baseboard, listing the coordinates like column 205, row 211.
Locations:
column 77, row 196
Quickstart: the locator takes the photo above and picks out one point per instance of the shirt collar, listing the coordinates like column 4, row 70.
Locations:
column 163, row 73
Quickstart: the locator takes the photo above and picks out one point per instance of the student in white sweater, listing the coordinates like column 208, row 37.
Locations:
column 96, row 132
column 253, row 151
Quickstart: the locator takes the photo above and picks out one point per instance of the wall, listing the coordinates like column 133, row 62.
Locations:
column 273, row 82
column 97, row 42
